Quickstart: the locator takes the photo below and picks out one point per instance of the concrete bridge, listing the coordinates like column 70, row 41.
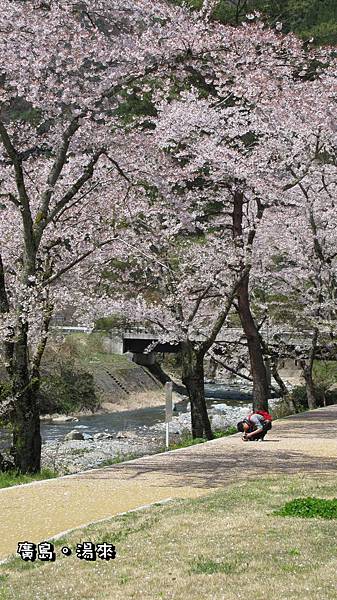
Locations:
column 143, row 342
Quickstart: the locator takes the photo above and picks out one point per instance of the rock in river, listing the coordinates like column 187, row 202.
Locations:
column 74, row 435
column 103, row 436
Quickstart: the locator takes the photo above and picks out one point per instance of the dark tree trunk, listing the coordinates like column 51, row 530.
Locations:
column 193, row 379
column 309, row 387
column 274, row 371
column 258, row 370
column 25, row 417
column 257, row 366
column 283, row 388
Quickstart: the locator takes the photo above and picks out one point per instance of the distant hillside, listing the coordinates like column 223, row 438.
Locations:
column 307, row 18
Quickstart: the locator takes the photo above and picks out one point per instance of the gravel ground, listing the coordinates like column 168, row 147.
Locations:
column 72, row 456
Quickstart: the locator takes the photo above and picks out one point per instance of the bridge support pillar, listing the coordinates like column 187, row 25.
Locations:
column 114, row 343
column 145, row 360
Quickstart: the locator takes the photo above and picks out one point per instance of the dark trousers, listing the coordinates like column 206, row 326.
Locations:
column 262, row 432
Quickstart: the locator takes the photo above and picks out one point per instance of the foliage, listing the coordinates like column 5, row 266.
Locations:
column 307, row 18
column 116, row 321
column 325, row 372
column 282, row 409
column 67, row 389
column 309, row 508
column 118, row 458
column 299, row 396
column 231, row 430
column 324, row 375
column 185, row 441
column 5, row 389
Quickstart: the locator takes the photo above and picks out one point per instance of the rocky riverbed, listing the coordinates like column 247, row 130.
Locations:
column 79, row 451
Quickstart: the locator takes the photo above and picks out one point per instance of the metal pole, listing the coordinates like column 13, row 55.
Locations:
column 168, row 410
column 167, row 443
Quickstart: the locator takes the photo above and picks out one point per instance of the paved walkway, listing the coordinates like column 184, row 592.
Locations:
column 305, row 443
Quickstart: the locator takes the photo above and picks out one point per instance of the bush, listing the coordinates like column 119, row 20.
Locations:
column 309, row 508
column 323, row 396
column 116, row 321
column 282, row 409
column 67, row 389
column 299, row 397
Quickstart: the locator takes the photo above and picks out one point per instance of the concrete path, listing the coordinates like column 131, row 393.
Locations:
column 305, row 443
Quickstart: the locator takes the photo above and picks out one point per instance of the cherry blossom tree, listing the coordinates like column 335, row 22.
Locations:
column 296, row 249
column 225, row 151
column 78, row 169
column 299, row 270
column 240, row 138
column 65, row 69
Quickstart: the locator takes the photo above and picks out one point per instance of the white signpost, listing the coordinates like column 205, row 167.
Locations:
column 168, row 410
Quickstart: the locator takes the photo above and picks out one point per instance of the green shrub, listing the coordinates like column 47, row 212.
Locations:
column 116, row 321
column 299, row 396
column 323, row 396
column 308, row 508
column 186, row 439
column 325, row 372
column 282, row 409
column 67, row 389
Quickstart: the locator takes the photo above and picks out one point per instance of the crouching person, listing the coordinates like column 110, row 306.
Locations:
column 255, row 426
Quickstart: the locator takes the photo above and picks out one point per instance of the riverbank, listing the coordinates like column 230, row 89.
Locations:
column 79, row 450
column 136, row 401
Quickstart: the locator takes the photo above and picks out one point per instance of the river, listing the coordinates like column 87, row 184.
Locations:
column 139, row 420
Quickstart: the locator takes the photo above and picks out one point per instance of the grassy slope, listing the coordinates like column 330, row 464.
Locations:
column 228, row 545
column 87, row 350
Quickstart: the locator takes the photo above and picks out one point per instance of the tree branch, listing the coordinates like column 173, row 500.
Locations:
column 87, row 174
column 24, row 199
column 205, row 346
column 54, row 174
column 75, row 262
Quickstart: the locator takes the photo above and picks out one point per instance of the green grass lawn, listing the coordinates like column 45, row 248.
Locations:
column 227, row 545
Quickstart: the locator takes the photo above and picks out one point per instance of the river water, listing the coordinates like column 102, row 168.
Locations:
column 139, row 420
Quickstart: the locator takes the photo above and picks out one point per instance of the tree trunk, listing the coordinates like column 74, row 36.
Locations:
column 25, row 417
column 193, row 379
column 258, row 369
column 283, row 388
column 307, row 366
column 309, row 386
